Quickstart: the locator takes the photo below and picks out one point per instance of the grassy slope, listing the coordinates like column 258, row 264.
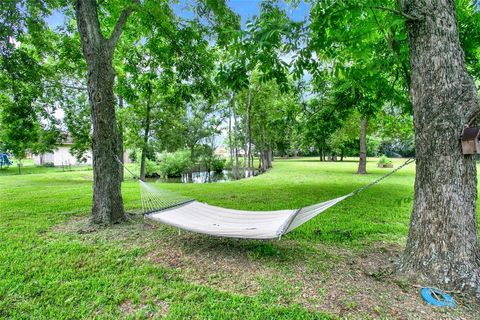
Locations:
column 49, row 272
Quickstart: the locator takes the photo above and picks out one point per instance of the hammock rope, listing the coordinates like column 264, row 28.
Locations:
column 186, row 213
column 406, row 163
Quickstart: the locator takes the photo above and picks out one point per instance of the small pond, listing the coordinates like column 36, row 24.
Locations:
column 200, row 177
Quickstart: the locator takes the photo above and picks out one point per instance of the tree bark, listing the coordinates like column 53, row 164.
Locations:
column 442, row 246
column 263, row 152
column 252, row 168
column 235, row 133
column 98, row 53
column 362, row 163
column 146, row 133
column 230, row 144
column 120, row 141
column 249, row 130
column 269, row 156
column 245, row 158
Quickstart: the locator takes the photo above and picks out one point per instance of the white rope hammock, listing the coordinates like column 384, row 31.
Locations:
column 187, row 214
column 200, row 217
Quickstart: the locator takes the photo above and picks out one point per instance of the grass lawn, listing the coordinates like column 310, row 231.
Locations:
column 53, row 265
column 28, row 167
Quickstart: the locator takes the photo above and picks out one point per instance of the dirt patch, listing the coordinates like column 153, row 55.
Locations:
column 365, row 285
column 129, row 308
column 353, row 285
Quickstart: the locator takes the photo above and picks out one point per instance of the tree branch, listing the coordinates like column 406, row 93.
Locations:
column 87, row 23
column 66, row 86
column 397, row 12
column 117, row 30
column 405, row 75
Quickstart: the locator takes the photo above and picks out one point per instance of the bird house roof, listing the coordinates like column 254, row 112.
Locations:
column 470, row 133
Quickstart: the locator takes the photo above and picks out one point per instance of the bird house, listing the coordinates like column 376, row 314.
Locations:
column 471, row 140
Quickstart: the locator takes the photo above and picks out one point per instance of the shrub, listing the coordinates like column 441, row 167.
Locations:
column 218, row 164
column 133, row 156
column 151, row 169
column 174, row 164
column 384, row 160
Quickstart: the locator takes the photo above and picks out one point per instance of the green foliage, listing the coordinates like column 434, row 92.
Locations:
column 260, row 48
column 20, row 88
column 218, row 164
column 468, row 17
column 152, row 168
column 384, row 160
column 77, row 120
column 175, row 164
column 25, row 45
column 201, row 122
column 398, row 147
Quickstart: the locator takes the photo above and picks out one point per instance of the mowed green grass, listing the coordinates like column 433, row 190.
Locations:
column 28, row 167
column 51, row 274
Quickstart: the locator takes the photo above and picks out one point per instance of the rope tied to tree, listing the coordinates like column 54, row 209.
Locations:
column 406, row 163
column 124, row 167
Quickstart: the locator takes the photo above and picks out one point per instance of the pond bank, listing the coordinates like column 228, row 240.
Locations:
column 203, row 177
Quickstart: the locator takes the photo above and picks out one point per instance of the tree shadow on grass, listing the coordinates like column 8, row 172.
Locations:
column 262, row 251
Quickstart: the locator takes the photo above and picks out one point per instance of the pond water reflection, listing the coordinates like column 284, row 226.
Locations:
column 200, row 177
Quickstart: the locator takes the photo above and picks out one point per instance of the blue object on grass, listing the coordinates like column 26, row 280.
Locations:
column 437, row 298
column 4, row 160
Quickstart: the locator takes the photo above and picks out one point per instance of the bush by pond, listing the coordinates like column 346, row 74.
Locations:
column 174, row 164
column 151, row 168
column 218, row 164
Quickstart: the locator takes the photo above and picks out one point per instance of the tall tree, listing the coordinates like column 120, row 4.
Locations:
column 366, row 71
column 24, row 47
column 98, row 53
column 442, row 243
column 258, row 50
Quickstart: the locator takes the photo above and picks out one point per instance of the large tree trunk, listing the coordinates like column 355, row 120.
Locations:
column 442, row 246
column 107, row 195
column 120, row 141
column 98, row 53
column 362, row 163
column 146, row 133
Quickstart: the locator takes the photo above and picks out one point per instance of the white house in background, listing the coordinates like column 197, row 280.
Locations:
column 221, row 151
column 61, row 156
